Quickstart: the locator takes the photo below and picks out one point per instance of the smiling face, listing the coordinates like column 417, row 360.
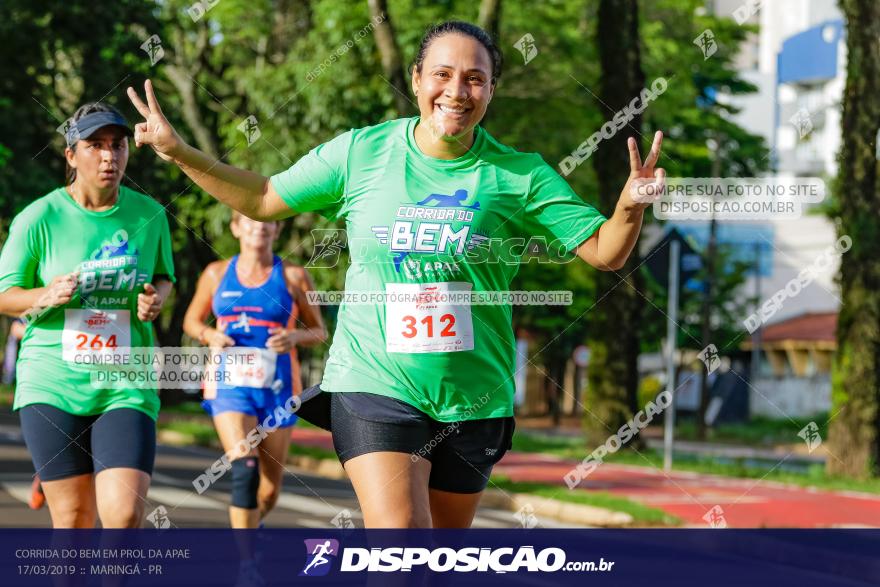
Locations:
column 454, row 86
column 255, row 235
column 100, row 160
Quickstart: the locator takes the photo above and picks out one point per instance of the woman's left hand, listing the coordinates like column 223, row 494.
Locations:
column 645, row 184
column 149, row 303
column 282, row 340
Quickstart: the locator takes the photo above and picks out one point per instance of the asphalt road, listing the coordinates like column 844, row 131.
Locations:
column 307, row 501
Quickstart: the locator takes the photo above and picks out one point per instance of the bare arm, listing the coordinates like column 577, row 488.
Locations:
column 17, row 301
column 610, row 247
column 315, row 331
column 150, row 302
column 250, row 193
column 284, row 340
column 194, row 321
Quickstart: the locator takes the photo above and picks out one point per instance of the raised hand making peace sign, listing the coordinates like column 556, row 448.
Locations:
column 155, row 131
column 645, row 183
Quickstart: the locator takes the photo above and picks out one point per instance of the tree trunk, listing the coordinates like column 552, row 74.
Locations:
column 191, row 111
column 855, row 429
column 392, row 62
column 554, row 381
column 490, row 13
column 182, row 75
column 708, row 292
column 614, row 321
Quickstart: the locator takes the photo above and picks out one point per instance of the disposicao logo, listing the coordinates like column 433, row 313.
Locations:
column 319, row 555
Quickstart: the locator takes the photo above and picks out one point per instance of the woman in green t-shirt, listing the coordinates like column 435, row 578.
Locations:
column 88, row 266
column 420, row 378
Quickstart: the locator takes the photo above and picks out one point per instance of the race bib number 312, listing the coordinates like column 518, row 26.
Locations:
column 428, row 317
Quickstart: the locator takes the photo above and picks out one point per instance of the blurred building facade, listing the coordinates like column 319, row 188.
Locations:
column 797, row 61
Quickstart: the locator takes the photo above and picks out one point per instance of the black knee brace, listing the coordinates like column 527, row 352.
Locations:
column 245, row 481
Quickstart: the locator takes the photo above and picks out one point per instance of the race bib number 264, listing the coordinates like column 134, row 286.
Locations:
column 89, row 333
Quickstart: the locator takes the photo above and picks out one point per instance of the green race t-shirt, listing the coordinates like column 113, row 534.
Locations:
column 116, row 252
column 426, row 232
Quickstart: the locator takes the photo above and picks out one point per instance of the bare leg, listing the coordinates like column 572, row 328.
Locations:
column 392, row 489
column 453, row 510
column 71, row 501
column 232, row 427
column 273, row 454
column 121, row 494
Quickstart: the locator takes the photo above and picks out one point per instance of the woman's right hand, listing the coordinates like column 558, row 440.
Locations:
column 59, row 291
column 155, row 131
column 216, row 339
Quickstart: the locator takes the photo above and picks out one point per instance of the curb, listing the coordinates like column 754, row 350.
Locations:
column 524, row 504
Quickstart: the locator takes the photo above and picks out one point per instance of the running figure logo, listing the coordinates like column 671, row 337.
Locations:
column 242, row 322
column 527, row 47
column 250, row 129
column 329, row 247
column 317, row 552
column 706, row 42
column 153, row 48
column 456, row 200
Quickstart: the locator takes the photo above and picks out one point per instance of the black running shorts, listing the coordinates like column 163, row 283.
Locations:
column 65, row 445
column 462, row 453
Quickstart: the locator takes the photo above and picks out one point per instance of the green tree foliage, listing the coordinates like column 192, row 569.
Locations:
column 729, row 304
column 56, row 56
column 307, row 70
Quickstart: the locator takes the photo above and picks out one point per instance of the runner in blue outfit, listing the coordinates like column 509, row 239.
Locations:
column 259, row 302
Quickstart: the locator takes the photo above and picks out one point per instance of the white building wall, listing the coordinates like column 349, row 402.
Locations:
column 790, row 397
column 798, row 243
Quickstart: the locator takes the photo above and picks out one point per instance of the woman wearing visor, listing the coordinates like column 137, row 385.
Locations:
column 88, row 266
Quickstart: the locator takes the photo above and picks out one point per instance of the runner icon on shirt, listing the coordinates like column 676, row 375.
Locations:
column 242, row 322
column 456, row 200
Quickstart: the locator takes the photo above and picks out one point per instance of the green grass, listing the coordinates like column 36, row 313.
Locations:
column 315, row 452
column 642, row 515
column 194, row 408
column 184, row 408
column 203, row 434
column 6, row 393
column 815, row 476
column 300, row 423
column 757, row 432
column 568, row 448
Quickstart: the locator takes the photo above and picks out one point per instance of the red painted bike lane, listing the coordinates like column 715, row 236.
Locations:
column 697, row 499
